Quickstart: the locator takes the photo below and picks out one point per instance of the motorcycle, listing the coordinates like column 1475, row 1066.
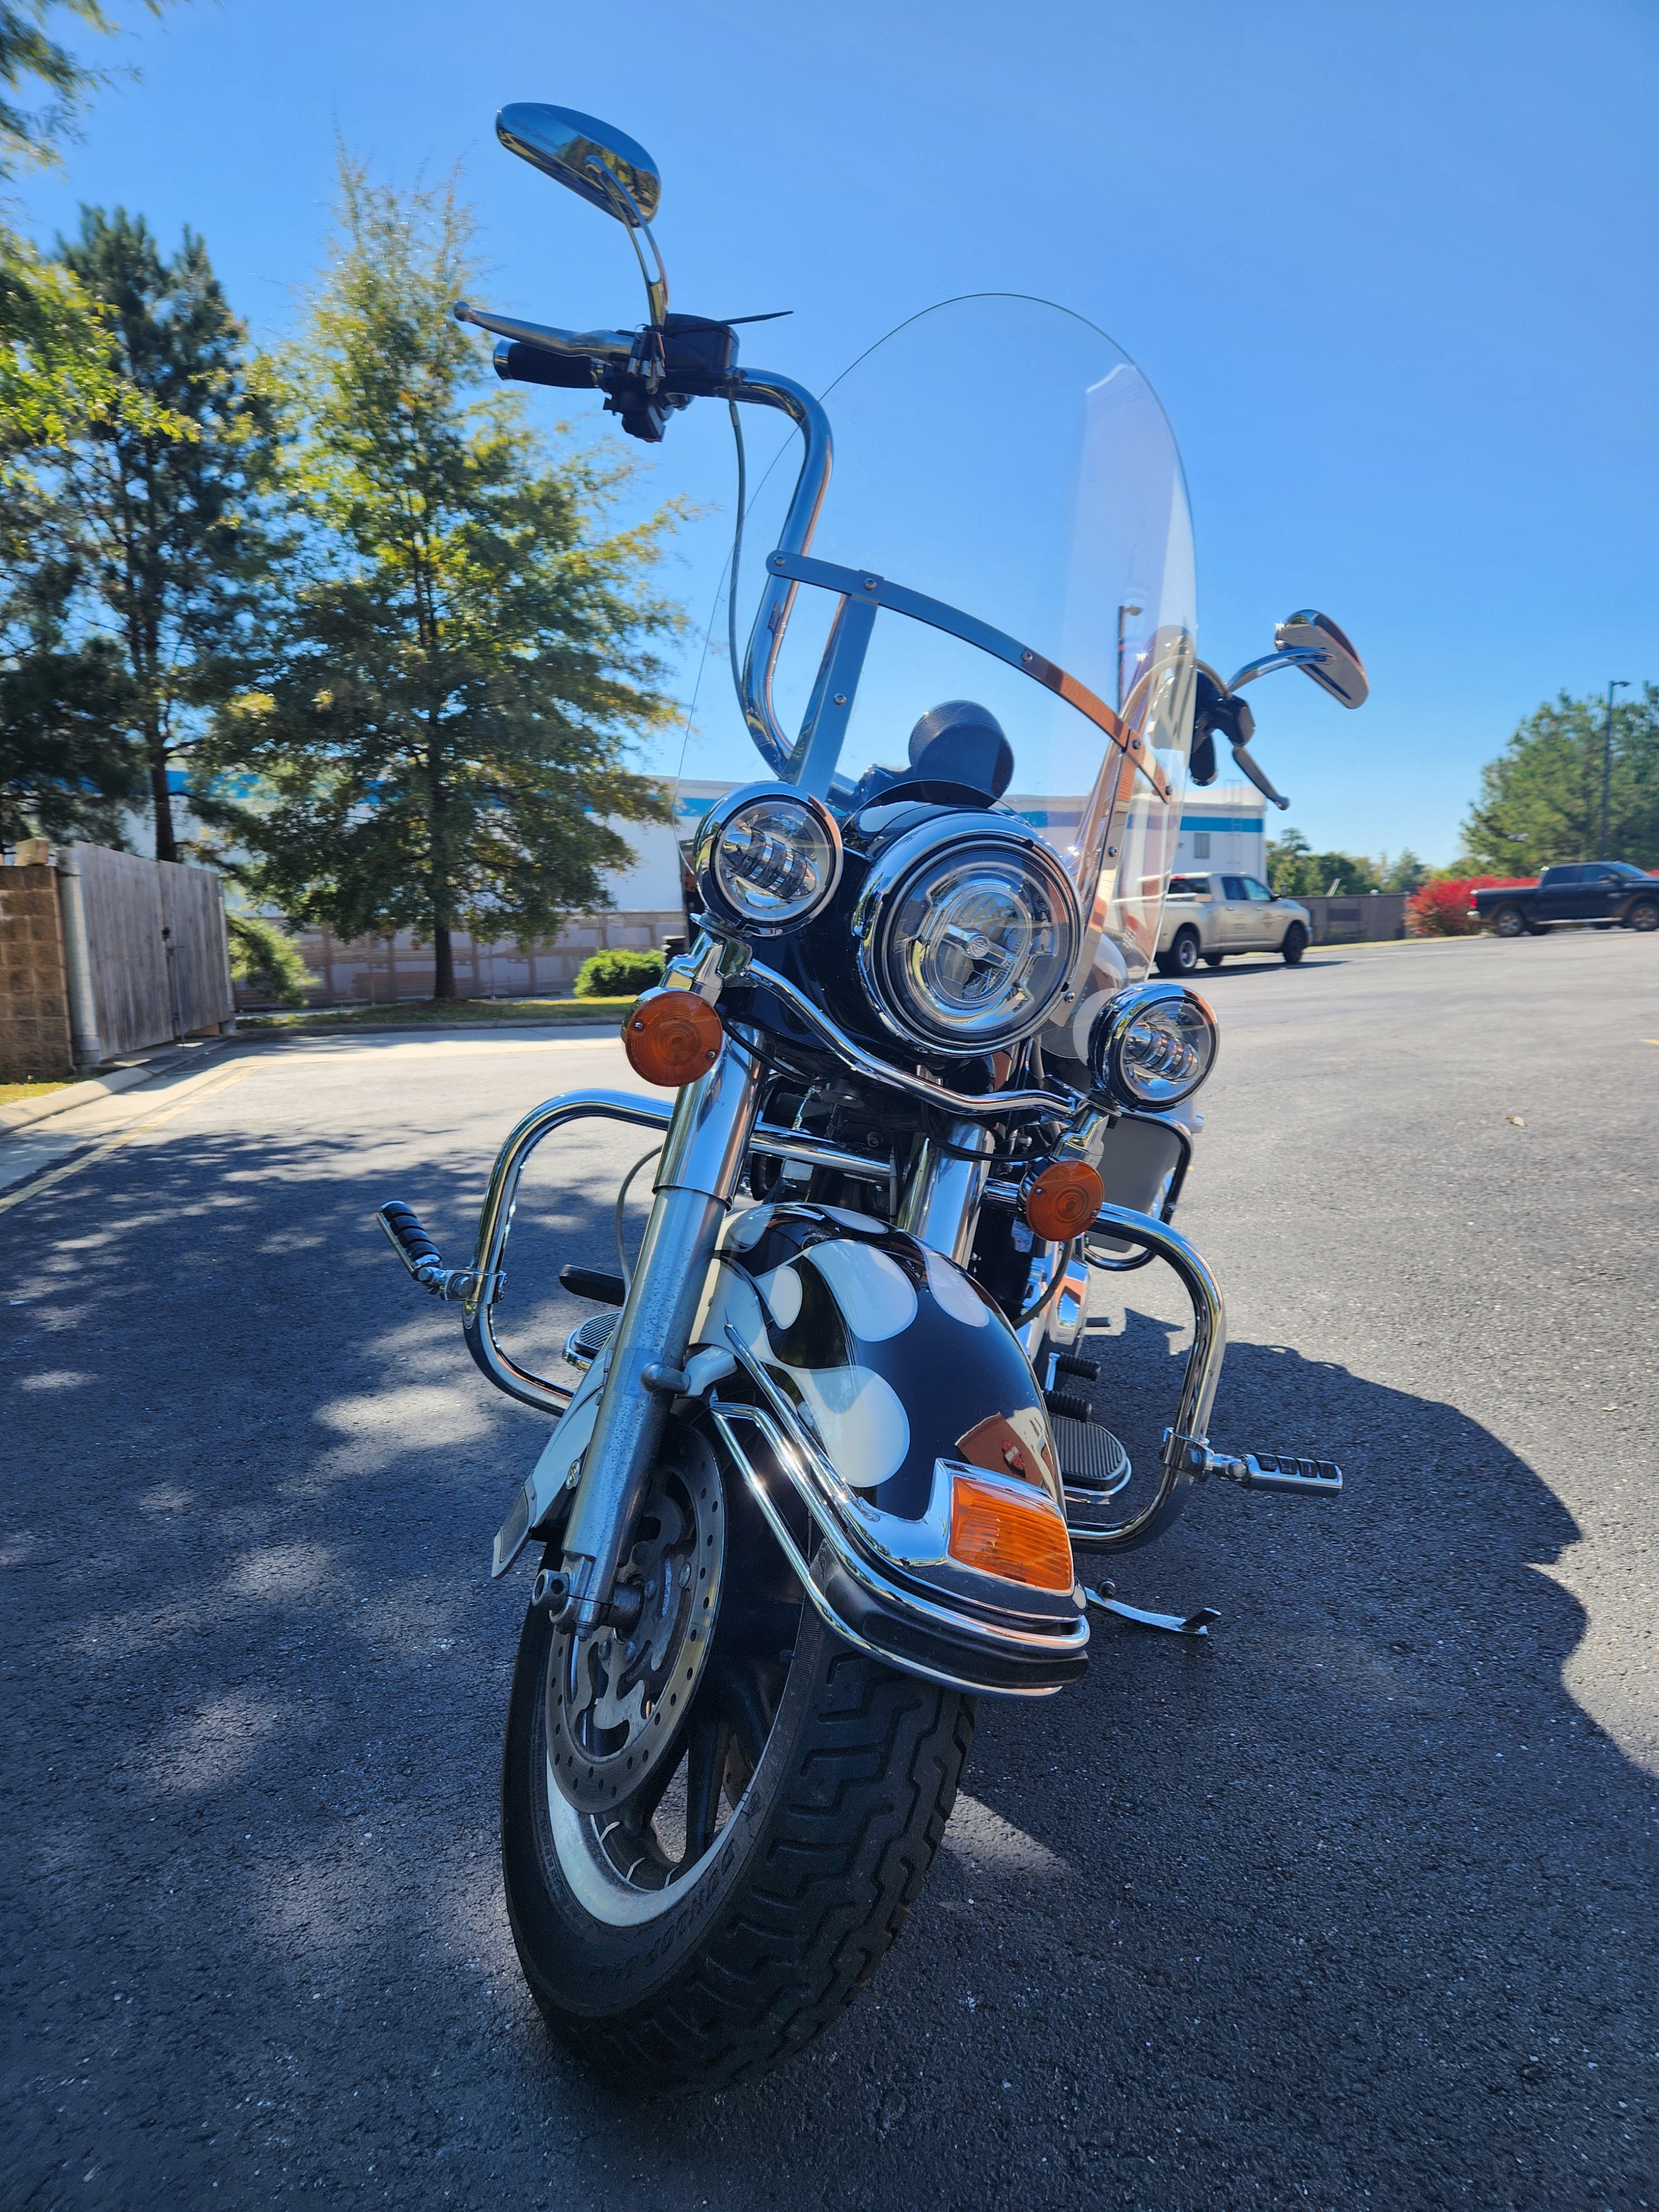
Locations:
column 829, row 1455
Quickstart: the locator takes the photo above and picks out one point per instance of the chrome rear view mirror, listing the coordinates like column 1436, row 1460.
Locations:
column 1337, row 667
column 604, row 166
column 600, row 164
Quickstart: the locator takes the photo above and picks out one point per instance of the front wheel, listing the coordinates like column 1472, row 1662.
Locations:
column 1182, row 957
column 1295, row 945
column 698, row 1927
column 1645, row 917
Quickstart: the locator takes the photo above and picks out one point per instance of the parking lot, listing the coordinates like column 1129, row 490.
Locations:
column 1354, row 1906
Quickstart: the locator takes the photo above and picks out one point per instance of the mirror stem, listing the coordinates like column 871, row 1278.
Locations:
column 628, row 208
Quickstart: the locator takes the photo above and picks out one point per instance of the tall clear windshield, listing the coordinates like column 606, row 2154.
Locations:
column 1004, row 457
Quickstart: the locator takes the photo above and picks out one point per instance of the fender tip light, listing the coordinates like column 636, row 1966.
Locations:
column 1022, row 1539
column 1062, row 1201
column 672, row 1037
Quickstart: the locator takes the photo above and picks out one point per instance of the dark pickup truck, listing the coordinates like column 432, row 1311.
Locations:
column 1610, row 892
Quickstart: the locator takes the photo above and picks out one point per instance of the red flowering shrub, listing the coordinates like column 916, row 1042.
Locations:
column 1443, row 909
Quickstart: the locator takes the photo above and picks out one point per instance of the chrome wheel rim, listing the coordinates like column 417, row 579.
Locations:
column 631, row 1842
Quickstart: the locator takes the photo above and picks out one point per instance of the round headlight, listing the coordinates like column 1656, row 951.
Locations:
column 968, row 930
column 1154, row 1046
column 767, row 859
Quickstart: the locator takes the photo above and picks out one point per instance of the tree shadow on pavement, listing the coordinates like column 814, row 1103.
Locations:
column 1340, row 1907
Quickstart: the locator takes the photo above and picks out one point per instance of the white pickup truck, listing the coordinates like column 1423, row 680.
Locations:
column 1207, row 917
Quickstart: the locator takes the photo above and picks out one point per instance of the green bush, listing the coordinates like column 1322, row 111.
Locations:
column 264, row 957
column 618, row 975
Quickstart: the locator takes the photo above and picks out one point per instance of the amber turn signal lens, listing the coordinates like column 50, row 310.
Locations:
column 1060, row 1203
column 1021, row 1538
column 672, row 1037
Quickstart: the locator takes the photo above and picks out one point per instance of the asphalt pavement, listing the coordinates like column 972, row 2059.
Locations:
column 1354, row 1906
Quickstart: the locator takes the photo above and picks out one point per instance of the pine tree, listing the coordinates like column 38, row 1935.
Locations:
column 161, row 538
column 445, row 725
column 63, row 767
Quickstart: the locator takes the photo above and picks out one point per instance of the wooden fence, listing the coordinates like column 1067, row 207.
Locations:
column 156, row 961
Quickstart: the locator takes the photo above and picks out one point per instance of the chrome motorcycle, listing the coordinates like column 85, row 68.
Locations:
column 830, row 1453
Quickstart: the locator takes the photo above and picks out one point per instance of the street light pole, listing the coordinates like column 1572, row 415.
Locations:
column 1621, row 684
column 1124, row 609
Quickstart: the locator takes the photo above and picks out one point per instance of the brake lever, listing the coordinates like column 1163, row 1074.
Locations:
column 1257, row 774
column 612, row 346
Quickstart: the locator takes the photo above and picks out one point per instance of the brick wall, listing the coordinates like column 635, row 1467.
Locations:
column 34, row 1023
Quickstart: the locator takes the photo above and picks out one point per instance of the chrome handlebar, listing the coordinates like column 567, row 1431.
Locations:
column 621, row 350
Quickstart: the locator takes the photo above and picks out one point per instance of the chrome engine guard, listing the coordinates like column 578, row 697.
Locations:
column 850, row 1587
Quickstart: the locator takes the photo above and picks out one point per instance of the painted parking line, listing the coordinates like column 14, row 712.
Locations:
column 223, row 1081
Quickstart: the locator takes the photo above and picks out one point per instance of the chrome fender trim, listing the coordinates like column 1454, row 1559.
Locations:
column 961, row 1651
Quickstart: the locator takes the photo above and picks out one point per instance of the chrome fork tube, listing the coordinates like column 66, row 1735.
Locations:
column 941, row 1201
column 708, row 1143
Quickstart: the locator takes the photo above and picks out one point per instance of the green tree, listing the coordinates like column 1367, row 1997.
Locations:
column 1295, row 872
column 165, row 537
column 1541, row 800
column 264, row 956
column 1405, row 872
column 33, row 59
column 57, row 367
column 63, row 767
column 444, row 723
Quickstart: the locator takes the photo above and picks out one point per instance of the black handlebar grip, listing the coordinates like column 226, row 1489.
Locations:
column 405, row 1224
column 518, row 363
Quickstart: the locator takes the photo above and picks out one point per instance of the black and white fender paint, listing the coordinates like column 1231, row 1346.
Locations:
column 895, row 1359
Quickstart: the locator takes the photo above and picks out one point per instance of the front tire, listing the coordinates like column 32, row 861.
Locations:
column 1294, row 946
column 1182, row 956
column 1645, row 917
column 841, row 1775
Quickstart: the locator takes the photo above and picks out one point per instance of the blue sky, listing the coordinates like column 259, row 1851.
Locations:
column 1390, row 269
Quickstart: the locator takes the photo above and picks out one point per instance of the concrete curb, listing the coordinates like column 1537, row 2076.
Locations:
column 606, row 1027
column 105, row 1086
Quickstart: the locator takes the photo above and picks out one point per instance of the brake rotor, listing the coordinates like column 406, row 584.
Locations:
column 616, row 1698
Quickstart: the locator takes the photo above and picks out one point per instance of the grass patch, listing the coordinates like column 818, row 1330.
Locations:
column 414, row 1013
column 22, row 1094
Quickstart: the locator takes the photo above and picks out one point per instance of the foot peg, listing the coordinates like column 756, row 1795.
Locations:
column 1278, row 1471
column 425, row 1263
column 1191, row 1624
column 1068, row 1363
column 1064, row 1406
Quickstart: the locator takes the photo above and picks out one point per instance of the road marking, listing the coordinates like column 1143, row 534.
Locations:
column 222, row 1082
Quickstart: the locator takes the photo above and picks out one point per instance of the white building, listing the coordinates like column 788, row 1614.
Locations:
column 1223, row 827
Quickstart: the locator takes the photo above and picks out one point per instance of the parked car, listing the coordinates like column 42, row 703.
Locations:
column 1208, row 917
column 1611, row 893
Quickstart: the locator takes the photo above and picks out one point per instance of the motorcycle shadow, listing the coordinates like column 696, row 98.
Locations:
column 1281, row 1913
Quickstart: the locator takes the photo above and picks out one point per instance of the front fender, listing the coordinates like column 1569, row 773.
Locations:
column 899, row 1380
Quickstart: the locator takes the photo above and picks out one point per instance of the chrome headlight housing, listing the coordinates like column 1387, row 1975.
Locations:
column 967, row 931
column 767, row 859
column 1153, row 1046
